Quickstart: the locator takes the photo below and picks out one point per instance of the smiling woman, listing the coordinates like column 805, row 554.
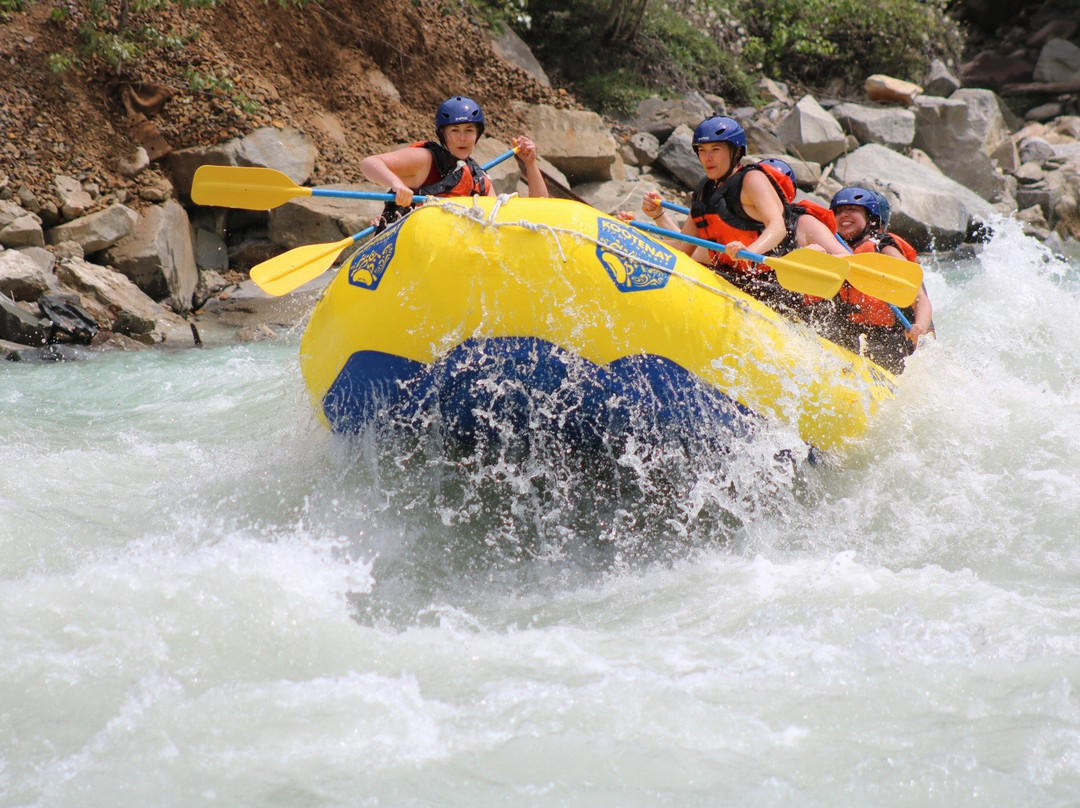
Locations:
column 445, row 168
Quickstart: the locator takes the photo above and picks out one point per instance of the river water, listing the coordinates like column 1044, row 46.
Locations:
column 205, row 599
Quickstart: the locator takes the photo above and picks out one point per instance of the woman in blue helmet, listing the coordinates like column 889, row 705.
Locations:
column 446, row 167
column 862, row 221
column 742, row 207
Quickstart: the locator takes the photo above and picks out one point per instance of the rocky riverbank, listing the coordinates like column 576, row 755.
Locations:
column 141, row 267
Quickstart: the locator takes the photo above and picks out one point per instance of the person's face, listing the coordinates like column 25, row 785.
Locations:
column 716, row 159
column 461, row 138
column 851, row 220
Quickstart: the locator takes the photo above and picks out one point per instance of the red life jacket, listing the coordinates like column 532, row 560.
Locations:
column 719, row 215
column 819, row 212
column 449, row 177
column 890, row 240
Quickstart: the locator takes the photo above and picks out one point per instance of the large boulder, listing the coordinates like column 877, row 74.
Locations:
column 512, row 48
column 611, row 197
column 21, row 326
column 661, row 116
column 959, row 133
column 677, row 157
column 21, row 277
column 117, row 304
column 96, row 231
column 811, row 132
column 19, row 227
column 1059, row 61
column 314, row 219
column 928, row 208
column 889, row 126
column 288, row 150
column 577, row 142
column 159, row 256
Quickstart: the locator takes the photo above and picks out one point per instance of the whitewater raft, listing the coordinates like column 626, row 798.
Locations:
column 567, row 319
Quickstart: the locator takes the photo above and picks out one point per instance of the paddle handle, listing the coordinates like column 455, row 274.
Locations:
column 697, row 242
column 904, row 321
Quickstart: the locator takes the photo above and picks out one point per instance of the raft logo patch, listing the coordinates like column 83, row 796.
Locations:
column 369, row 263
column 624, row 252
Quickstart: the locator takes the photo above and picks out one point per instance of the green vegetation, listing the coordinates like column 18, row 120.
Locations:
column 9, row 7
column 613, row 52
column 815, row 41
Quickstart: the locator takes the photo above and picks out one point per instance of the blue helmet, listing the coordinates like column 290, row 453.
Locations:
column 459, row 109
column 886, row 211
column 858, row 196
column 720, row 129
column 781, row 166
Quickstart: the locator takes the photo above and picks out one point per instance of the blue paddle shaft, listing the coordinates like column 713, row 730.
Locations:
column 674, row 207
column 374, row 195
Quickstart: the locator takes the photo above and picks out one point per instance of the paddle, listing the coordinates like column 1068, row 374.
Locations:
column 252, row 188
column 896, row 312
column 807, row 271
column 291, row 270
column 886, row 277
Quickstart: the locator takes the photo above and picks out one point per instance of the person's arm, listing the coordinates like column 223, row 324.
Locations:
column 403, row 170
column 814, row 233
column 527, row 155
column 924, row 316
column 762, row 203
column 922, row 323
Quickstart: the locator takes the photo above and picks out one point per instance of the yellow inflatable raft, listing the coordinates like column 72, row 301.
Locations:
column 473, row 306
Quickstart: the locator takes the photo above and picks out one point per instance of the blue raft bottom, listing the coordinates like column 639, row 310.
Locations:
column 499, row 387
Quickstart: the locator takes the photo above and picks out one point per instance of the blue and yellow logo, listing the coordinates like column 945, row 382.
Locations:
column 368, row 265
column 620, row 244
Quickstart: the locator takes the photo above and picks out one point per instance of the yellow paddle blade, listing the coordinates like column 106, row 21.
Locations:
column 293, row 269
column 810, row 271
column 886, row 277
column 247, row 188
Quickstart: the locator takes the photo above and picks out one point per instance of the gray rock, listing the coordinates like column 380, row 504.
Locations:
column 940, row 81
column 288, row 150
column 660, row 117
column 577, row 142
column 1044, row 112
column 677, row 157
column 511, row 48
column 1059, row 61
column 210, row 251
column 74, row 200
column 890, row 126
column 1035, row 150
column 811, row 132
column 929, row 209
column 21, row 277
column 611, row 197
column 96, row 231
column 19, row 325
column 108, row 296
column 646, row 147
column 158, row 256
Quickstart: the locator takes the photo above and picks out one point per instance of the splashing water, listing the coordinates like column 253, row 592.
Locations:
column 206, row 599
